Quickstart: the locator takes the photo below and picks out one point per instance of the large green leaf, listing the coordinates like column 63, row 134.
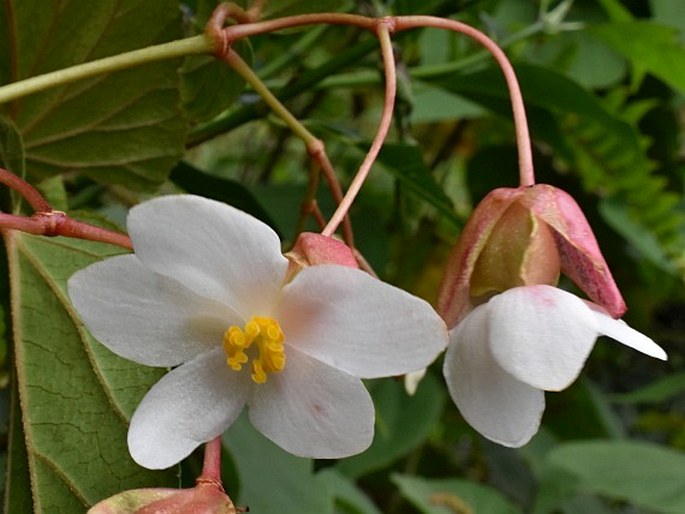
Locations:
column 11, row 149
column 124, row 127
column 76, row 396
column 643, row 474
column 17, row 493
column 440, row 496
column 209, row 85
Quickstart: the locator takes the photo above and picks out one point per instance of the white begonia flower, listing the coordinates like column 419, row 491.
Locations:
column 526, row 340
column 205, row 293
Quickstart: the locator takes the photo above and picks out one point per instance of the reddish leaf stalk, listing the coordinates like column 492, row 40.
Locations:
column 26, row 190
column 317, row 151
column 48, row 222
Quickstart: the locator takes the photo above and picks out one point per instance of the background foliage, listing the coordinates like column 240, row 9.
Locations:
column 603, row 81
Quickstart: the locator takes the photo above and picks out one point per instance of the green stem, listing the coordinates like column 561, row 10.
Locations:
column 315, row 147
column 189, row 46
column 236, row 62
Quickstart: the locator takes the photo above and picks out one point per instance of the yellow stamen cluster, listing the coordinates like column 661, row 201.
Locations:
column 267, row 333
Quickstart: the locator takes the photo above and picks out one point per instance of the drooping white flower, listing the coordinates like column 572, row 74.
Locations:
column 206, row 293
column 526, row 340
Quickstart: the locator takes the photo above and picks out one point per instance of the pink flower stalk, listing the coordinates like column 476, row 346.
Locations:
column 513, row 334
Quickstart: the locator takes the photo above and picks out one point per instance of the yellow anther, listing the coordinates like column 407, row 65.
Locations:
column 268, row 336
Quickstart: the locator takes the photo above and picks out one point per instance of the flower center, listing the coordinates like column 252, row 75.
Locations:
column 268, row 336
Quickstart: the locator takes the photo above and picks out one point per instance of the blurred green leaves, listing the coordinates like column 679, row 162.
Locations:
column 643, row 474
column 402, row 423
column 437, row 496
column 649, row 47
column 272, row 480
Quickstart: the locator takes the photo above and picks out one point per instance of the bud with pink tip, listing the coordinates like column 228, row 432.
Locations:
column 525, row 236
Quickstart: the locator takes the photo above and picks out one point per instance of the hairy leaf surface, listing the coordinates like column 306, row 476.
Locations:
column 76, row 396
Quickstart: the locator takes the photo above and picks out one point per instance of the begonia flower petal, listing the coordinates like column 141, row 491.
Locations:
column 492, row 401
column 354, row 322
column 620, row 331
column 189, row 406
column 312, row 410
column 213, row 249
column 541, row 335
column 146, row 317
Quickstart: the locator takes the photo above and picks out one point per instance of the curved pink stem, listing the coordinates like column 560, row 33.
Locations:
column 398, row 23
column 526, row 171
column 30, row 193
column 56, row 223
column 384, row 28
column 211, row 466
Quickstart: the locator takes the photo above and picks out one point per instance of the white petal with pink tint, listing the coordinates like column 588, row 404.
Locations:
column 189, row 406
column 312, row 410
column 358, row 324
column 501, row 408
column 620, row 331
column 158, row 321
column 215, row 250
column 541, row 335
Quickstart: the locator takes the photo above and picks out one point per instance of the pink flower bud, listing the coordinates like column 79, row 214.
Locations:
column 311, row 249
column 524, row 236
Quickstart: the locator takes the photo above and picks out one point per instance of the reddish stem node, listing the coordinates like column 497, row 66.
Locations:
column 48, row 222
